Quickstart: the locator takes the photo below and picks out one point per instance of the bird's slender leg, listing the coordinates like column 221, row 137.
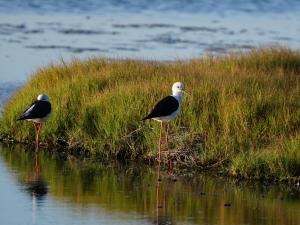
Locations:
column 165, row 202
column 37, row 164
column 159, row 153
column 36, row 131
column 157, row 202
column 39, row 127
column 167, row 143
column 158, row 195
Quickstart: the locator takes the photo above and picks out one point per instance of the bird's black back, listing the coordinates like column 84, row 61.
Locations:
column 164, row 107
column 38, row 109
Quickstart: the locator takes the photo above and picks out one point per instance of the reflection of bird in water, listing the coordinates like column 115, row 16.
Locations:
column 34, row 183
column 163, row 217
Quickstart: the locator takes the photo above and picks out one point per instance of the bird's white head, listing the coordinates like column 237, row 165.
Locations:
column 178, row 88
column 43, row 97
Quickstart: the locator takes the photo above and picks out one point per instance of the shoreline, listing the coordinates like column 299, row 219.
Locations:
column 213, row 170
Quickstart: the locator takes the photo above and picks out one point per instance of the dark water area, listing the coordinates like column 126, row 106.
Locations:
column 36, row 33
column 44, row 189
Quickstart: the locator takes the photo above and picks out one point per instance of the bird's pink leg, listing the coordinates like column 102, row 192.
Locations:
column 39, row 127
column 157, row 195
column 36, row 131
column 159, row 153
column 37, row 164
column 167, row 143
column 165, row 201
column 157, row 202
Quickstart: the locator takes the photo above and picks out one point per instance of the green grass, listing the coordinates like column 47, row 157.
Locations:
column 241, row 114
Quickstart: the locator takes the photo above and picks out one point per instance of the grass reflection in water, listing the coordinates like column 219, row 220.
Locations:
column 133, row 190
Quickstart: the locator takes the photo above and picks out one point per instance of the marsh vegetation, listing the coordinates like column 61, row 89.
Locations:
column 241, row 114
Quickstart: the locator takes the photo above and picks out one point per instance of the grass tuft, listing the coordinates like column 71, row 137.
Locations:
column 242, row 112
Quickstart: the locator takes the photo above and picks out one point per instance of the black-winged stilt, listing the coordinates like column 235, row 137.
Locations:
column 165, row 111
column 38, row 113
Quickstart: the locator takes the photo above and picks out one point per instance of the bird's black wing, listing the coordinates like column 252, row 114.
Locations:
column 164, row 107
column 38, row 109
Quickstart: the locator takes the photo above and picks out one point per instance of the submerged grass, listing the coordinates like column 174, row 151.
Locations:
column 242, row 112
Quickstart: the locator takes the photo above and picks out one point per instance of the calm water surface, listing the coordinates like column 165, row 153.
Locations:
column 34, row 33
column 47, row 190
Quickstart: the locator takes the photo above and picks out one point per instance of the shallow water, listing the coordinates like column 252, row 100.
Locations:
column 47, row 190
column 36, row 33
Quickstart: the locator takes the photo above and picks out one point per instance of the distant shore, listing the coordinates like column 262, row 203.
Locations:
column 241, row 116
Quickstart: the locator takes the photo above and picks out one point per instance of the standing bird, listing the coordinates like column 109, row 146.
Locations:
column 38, row 113
column 165, row 111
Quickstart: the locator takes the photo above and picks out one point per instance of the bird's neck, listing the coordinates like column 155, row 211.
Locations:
column 178, row 96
